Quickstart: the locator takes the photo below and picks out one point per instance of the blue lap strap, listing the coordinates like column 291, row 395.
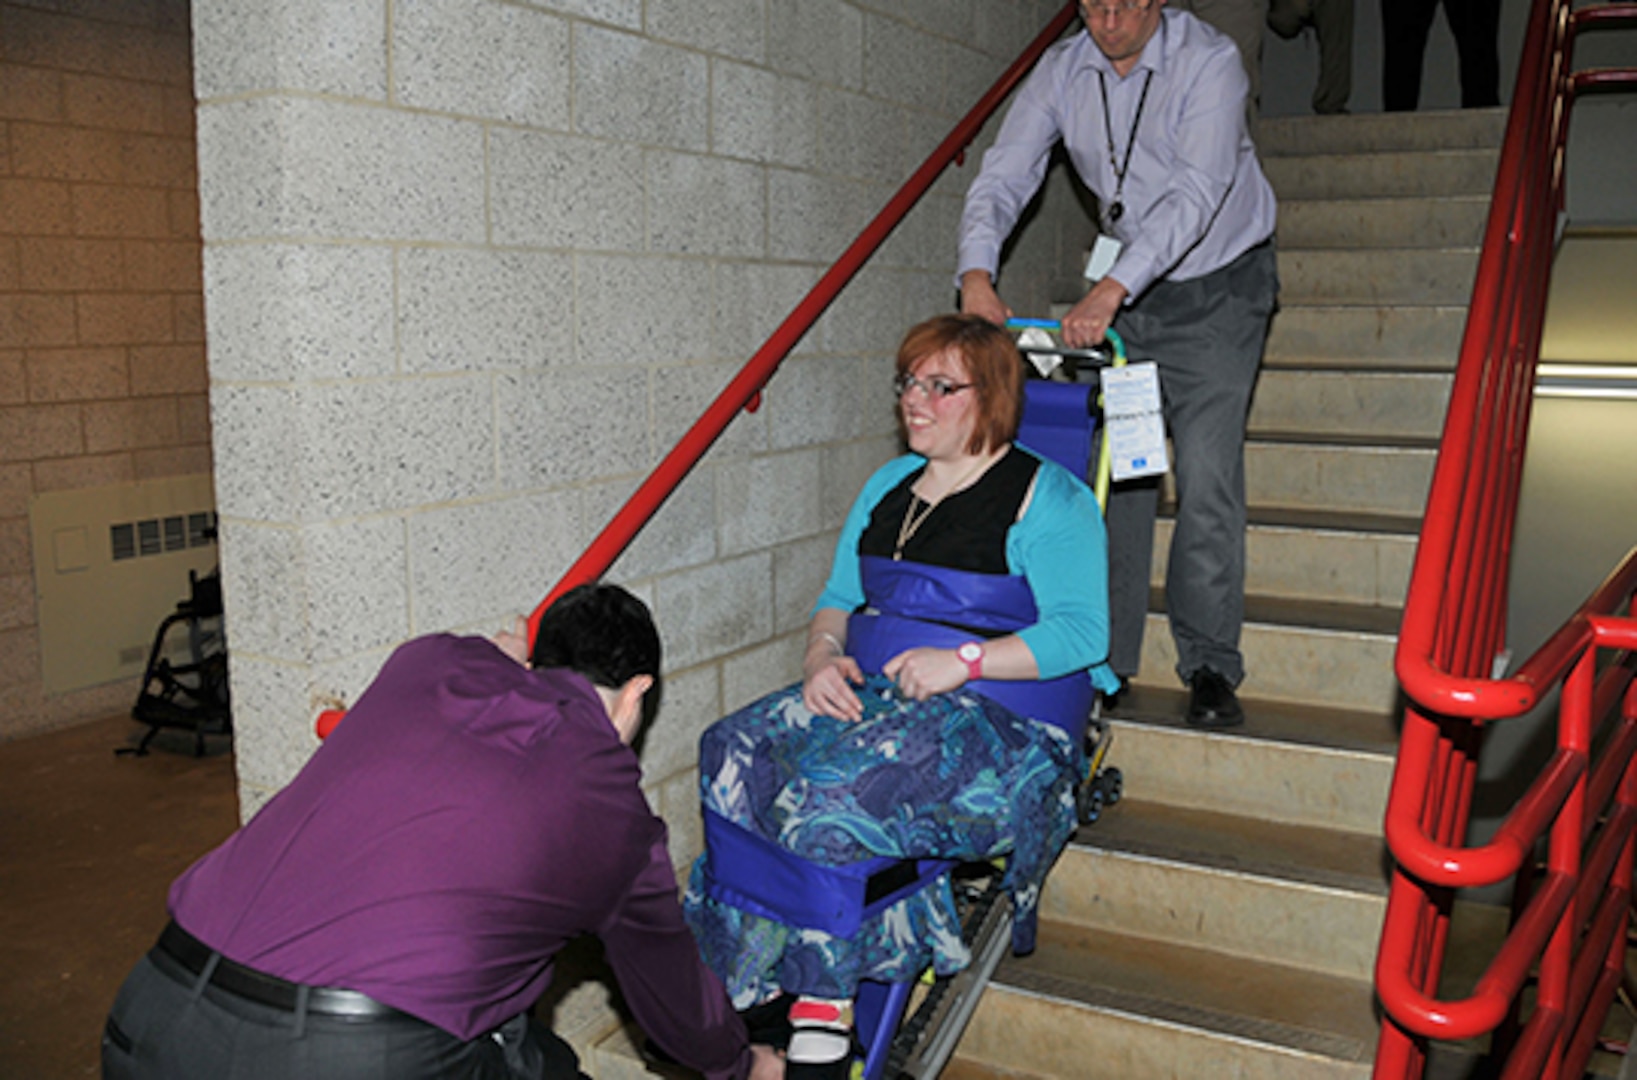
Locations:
column 764, row 879
column 912, row 605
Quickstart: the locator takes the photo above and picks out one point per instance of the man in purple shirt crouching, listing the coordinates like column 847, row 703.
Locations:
column 394, row 912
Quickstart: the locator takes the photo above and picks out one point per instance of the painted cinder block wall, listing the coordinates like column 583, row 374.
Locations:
column 102, row 354
column 470, row 269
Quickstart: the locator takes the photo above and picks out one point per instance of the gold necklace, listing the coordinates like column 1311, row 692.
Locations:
column 912, row 521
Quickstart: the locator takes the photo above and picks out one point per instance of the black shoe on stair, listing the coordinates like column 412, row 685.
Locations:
column 1212, row 702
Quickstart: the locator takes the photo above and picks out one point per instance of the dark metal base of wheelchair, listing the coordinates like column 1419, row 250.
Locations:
column 163, row 715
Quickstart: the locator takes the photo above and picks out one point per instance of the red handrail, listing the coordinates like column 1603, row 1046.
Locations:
column 1453, row 626
column 746, row 387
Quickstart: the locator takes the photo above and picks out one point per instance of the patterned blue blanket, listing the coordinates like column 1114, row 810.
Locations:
column 955, row 777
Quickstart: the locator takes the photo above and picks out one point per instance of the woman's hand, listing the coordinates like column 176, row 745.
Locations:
column 827, row 688
column 922, row 672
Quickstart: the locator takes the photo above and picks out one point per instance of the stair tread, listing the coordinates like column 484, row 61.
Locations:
column 1200, row 988
column 1319, row 520
column 1307, row 725
column 1315, row 614
column 1300, row 853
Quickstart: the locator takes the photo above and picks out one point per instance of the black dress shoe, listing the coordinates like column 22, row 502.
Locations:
column 1212, row 702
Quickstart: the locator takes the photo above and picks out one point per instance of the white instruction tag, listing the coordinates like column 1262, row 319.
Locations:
column 1044, row 362
column 1103, row 254
column 1136, row 425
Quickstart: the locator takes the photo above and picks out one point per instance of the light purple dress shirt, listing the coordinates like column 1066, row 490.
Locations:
column 1194, row 195
column 465, row 820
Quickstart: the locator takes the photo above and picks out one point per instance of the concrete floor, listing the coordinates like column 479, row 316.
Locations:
column 89, row 844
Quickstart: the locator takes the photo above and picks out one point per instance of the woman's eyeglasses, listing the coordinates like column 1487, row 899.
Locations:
column 933, row 386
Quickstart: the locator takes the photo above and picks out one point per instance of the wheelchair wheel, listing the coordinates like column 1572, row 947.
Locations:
column 1089, row 800
column 1112, row 785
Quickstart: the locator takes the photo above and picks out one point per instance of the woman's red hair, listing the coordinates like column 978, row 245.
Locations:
column 993, row 366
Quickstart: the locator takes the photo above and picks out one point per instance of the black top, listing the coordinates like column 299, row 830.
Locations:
column 967, row 530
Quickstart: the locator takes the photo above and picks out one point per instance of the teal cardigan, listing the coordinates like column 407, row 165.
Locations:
column 1058, row 546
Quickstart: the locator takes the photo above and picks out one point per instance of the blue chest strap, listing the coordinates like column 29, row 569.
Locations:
column 914, row 604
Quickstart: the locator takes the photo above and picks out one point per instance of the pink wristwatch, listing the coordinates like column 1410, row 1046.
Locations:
column 971, row 654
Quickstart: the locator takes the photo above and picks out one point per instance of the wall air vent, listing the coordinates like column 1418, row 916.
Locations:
column 101, row 601
column 160, row 536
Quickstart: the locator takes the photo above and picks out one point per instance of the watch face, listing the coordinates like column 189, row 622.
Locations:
column 970, row 651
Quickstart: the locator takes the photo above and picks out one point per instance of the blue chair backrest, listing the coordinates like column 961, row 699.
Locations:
column 1060, row 423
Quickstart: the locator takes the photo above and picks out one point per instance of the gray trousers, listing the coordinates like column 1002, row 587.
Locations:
column 1332, row 22
column 165, row 1025
column 1206, row 336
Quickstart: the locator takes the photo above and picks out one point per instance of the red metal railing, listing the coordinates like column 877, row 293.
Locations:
column 744, row 392
column 1584, row 805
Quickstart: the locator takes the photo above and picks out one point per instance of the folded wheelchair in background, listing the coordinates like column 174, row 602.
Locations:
column 185, row 683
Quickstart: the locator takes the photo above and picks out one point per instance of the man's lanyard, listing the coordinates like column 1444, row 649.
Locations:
column 1117, row 209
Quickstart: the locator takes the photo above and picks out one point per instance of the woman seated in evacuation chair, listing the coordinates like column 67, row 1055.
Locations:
column 966, row 602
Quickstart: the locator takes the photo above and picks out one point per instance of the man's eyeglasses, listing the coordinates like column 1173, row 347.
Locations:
column 933, row 386
column 1118, row 11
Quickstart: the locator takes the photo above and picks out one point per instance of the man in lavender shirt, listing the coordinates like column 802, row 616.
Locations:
column 1150, row 106
column 394, row 912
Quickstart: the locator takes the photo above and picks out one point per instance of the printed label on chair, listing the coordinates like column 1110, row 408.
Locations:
column 1136, row 425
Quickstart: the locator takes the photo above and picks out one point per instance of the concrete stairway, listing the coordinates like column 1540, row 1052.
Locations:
column 1222, row 920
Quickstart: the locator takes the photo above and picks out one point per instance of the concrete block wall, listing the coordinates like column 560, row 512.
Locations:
column 102, row 355
column 472, row 267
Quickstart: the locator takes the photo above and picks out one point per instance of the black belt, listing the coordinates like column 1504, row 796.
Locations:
column 275, row 993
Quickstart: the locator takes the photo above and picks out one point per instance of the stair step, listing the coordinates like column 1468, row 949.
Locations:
column 1428, row 130
column 1307, row 562
column 1289, row 471
column 1295, row 854
column 1393, row 222
column 1383, row 174
column 1421, row 336
column 1377, row 276
column 1394, row 403
column 1299, row 896
column 1291, row 762
column 1346, row 669
column 1094, row 1005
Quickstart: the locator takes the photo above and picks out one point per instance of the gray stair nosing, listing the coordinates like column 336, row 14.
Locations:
column 1376, row 200
column 1330, row 521
column 1309, row 365
column 1340, row 440
column 1403, row 250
